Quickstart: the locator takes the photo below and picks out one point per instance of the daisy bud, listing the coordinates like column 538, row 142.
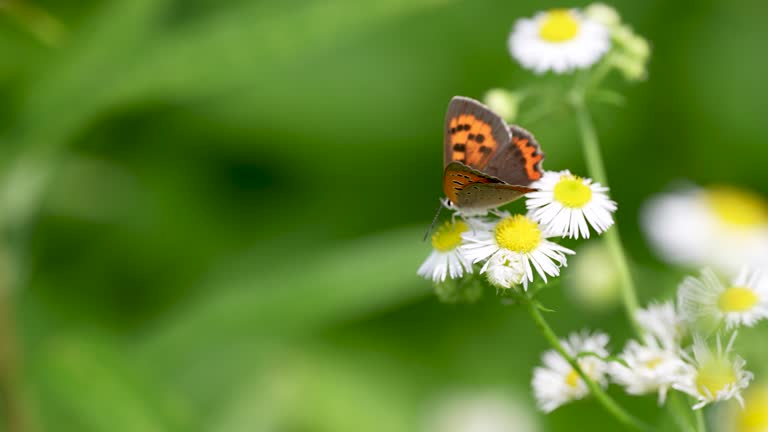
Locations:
column 632, row 68
column 604, row 14
column 503, row 102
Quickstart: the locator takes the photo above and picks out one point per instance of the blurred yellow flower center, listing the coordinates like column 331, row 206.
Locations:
column 559, row 25
column 448, row 236
column 518, row 234
column 571, row 192
column 738, row 207
column 737, row 299
column 653, row 363
column 754, row 417
column 572, row 379
column 714, row 375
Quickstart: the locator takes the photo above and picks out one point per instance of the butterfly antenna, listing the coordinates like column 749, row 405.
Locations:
column 434, row 221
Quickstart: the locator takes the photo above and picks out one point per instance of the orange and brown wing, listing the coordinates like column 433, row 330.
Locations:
column 518, row 163
column 458, row 176
column 473, row 133
column 470, row 189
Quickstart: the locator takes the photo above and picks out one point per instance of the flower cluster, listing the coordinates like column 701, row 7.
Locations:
column 563, row 40
column 676, row 350
column 510, row 249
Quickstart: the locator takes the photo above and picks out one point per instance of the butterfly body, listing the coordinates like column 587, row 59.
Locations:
column 487, row 162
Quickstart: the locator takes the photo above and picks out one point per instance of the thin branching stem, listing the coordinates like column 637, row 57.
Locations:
column 602, row 397
column 594, row 159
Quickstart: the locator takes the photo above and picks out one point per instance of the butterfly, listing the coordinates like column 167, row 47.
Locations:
column 488, row 163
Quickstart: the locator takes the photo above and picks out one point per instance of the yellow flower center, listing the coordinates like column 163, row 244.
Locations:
column 714, row 375
column 518, row 234
column 448, row 236
column 559, row 25
column 653, row 363
column 738, row 207
column 571, row 192
column 572, row 379
column 737, row 299
column 754, row 417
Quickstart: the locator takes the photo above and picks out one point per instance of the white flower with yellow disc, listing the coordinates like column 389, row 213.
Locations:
column 722, row 227
column 743, row 302
column 655, row 364
column 715, row 376
column 560, row 40
column 565, row 204
column 446, row 259
column 521, row 237
column 557, row 382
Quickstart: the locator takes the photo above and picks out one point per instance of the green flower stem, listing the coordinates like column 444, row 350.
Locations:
column 701, row 425
column 15, row 415
column 45, row 27
column 602, row 397
column 680, row 412
column 596, row 167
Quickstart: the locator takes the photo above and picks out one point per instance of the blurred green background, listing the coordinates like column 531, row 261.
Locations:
column 220, row 204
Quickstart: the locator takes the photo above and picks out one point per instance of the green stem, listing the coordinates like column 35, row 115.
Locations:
column 602, row 397
column 14, row 409
column 701, row 424
column 680, row 412
column 36, row 20
column 596, row 167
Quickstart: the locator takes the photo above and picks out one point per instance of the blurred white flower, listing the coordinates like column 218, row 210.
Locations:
column 743, row 302
column 560, row 40
column 521, row 236
column 715, row 376
column 446, row 259
column 662, row 322
column 565, row 203
column 557, row 383
column 721, row 227
column 480, row 412
column 655, row 364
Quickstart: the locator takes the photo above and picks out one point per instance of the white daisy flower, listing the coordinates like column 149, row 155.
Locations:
column 656, row 364
column 661, row 322
column 446, row 259
column 560, row 40
column 715, row 376
column 557, row 383
column 521, row 236
column 721, row 227
column 649, row 368
column 743, row 302
column 565, row 204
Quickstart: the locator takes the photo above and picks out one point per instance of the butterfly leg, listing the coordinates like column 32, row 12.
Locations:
column 496, row 212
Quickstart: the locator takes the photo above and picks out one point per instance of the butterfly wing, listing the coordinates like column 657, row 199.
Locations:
column 518, row 162
column 473, row 133
column 471, row 189
column 483, row 196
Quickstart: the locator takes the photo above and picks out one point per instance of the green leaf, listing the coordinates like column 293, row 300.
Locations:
column 312, row 289
column 93, row 387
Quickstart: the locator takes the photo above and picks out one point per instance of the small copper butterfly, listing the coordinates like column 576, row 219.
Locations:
column 488, row 163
